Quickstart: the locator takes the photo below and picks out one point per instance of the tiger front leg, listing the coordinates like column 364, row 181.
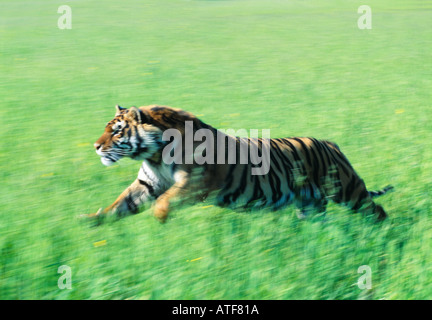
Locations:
column 129, row 201
column 178, row 189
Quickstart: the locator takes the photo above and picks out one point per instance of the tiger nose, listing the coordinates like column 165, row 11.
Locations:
column 97, row 145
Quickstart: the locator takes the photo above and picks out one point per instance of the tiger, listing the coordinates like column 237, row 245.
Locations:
column 303, row 171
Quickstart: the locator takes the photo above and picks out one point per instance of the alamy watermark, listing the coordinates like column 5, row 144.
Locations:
column 225, row 144
column 65, row 20
column 365, row 281
column 65, row 280
column 365, row 20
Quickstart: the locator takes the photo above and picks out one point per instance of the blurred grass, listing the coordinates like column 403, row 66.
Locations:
column 296, row 67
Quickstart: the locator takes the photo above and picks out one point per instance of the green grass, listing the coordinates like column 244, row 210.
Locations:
column 297, row 67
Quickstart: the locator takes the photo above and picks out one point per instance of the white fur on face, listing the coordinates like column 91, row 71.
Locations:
column 118, row 125
column 106, row 162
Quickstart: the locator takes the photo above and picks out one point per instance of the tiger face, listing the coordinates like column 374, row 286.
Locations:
column 128, row 135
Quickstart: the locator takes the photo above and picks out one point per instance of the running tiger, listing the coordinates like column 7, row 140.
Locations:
column 303, row 171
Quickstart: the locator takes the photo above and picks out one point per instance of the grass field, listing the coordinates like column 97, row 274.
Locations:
column 299, row 68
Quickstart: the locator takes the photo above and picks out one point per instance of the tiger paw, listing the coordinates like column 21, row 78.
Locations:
column 92, row 216
column 161, row 210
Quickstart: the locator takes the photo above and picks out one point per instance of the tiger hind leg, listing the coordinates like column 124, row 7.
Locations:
column 371, row 208
column 354, row 194
column 365, row 205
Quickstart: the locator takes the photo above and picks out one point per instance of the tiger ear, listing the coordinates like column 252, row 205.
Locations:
column 134, row 114
column 118, row 110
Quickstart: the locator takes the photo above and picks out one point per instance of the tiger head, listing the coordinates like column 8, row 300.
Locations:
column 129, row 134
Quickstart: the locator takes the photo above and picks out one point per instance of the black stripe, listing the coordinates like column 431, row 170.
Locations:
column 359, row 202
column 243, row 182
column 315, row 169
column 337, row 161
column 295, row 154
column 230, row 176
column 305, row 148
column 132, row 207
column 258, row 193
column 350, row 188
column 148, row 186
